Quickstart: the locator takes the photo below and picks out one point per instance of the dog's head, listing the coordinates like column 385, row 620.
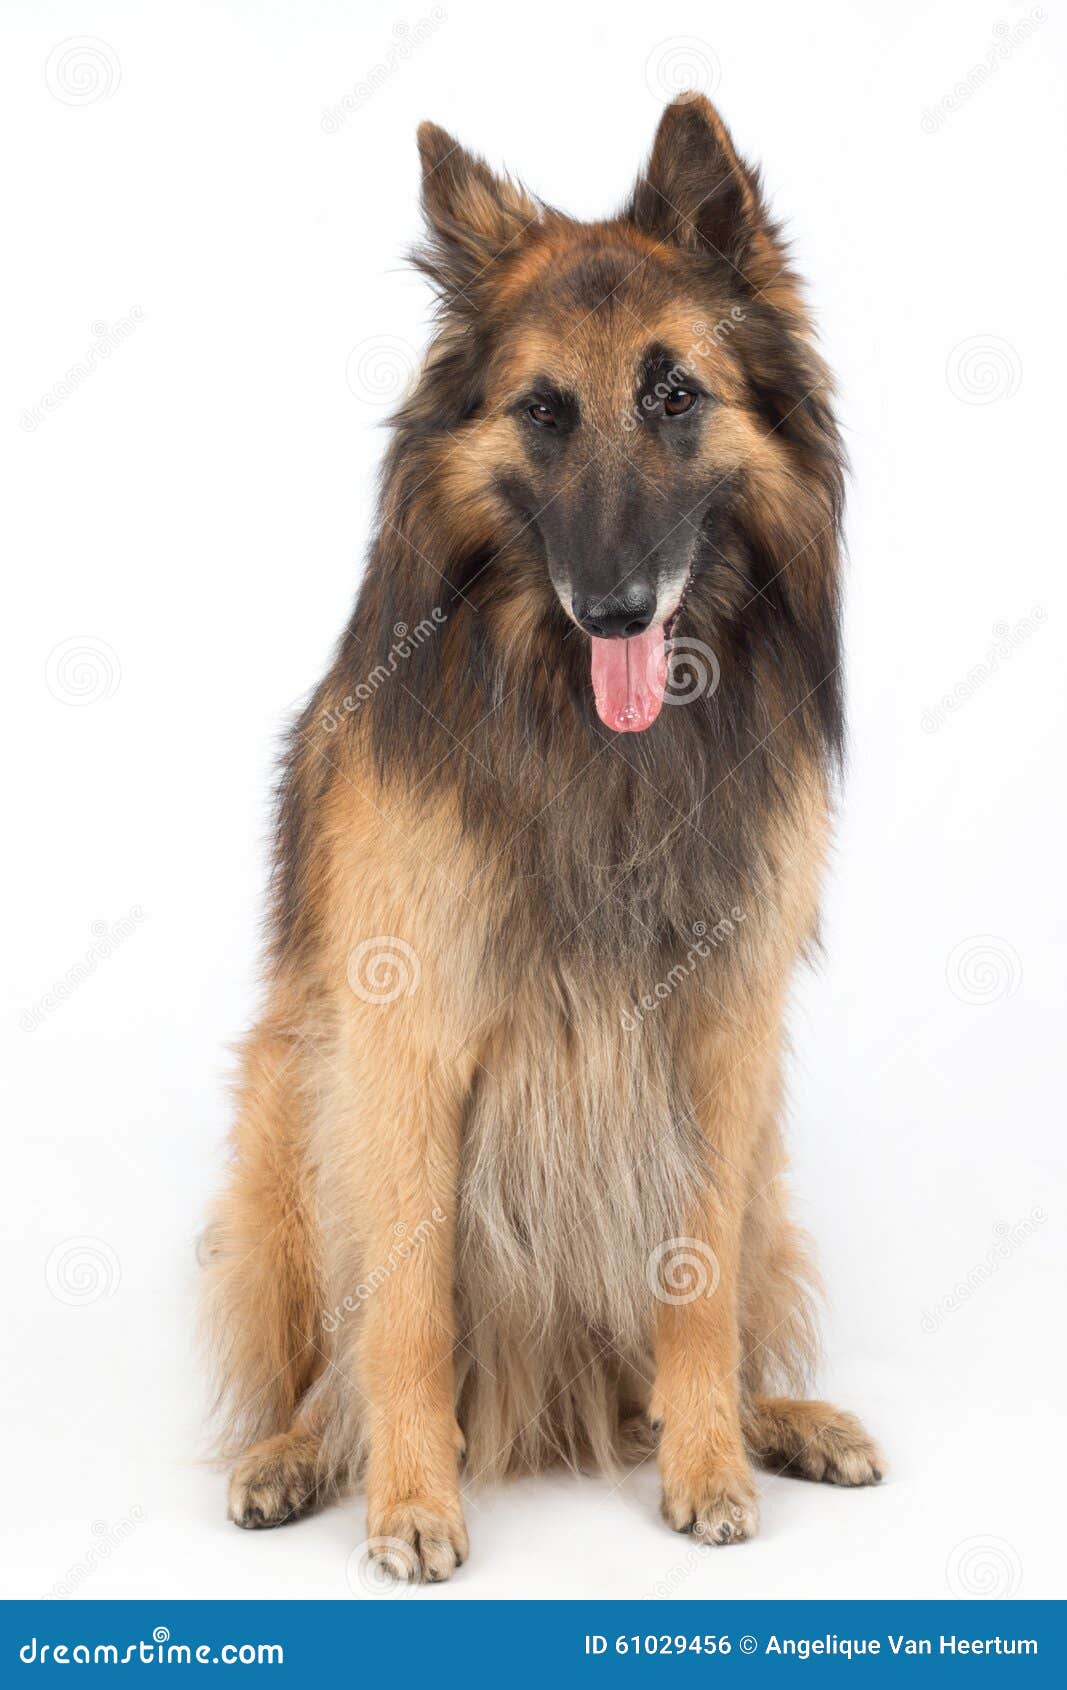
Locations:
column 611, row 395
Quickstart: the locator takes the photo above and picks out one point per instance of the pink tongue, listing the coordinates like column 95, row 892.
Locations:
column 628, row 680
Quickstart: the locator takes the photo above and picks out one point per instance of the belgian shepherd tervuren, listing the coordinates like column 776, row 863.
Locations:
column 507, row 1177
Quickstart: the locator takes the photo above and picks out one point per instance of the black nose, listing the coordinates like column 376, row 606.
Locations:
column 619, row 616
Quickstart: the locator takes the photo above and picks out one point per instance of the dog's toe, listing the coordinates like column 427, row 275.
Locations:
column 418, row 1541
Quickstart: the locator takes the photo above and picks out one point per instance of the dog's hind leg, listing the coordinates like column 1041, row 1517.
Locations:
column 788, row 1433
column 278, row 1480
column 262, row 1304
column 812, row 1440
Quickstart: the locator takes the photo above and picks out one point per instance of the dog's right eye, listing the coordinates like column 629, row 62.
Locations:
column 542, row 414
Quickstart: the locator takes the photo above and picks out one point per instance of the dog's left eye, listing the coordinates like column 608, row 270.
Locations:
column 543, row 414
column 678, row 401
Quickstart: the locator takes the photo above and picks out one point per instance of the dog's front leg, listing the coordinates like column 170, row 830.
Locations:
column 412, row 1109
column 708, row 1486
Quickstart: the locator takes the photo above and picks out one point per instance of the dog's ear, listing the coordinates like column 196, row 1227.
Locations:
column 473, row 216
column 696, row 192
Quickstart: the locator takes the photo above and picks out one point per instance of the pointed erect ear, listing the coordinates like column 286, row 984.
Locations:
column 696, row 192
column 473, row 215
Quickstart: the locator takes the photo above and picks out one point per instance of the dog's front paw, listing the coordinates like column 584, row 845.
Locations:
column 717, row 1503
column 418, row 1538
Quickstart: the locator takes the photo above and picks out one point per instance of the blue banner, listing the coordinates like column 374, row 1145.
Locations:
column 445, row 1642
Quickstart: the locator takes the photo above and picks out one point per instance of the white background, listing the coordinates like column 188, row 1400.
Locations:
column 193, row 515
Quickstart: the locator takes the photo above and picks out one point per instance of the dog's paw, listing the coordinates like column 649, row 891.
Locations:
column 814, row 1440
column 717, row 1507
column 418, row 1539
column 275, row 1482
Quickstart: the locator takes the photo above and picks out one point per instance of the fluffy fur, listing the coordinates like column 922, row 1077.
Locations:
column 507, row 1169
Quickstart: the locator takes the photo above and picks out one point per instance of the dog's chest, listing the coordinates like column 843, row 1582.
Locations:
column 580, row 1161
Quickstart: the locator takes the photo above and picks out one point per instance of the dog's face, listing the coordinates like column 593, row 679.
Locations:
column 609, row 405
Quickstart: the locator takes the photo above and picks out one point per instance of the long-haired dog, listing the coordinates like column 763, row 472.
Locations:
column 507, row 1177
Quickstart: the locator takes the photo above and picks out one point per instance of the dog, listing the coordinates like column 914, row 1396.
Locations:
column 507, row 1178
